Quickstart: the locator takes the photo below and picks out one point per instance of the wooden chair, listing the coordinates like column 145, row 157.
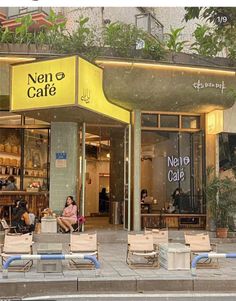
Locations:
column 200, row 243
column 18, row 244
column 83, row 243
column 141, row 251
column 8, row 229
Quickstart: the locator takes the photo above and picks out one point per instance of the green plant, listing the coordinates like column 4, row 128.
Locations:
column 206, row 43
column 122, row 38
column 55, row 32
column 22, row 34
column 82, row 40
column 153, row 49
column 221, row 198
column 223, row 29
column 6, row 36
column 173, row 43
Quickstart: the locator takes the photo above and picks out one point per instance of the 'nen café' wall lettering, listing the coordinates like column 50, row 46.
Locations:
column 175, row 175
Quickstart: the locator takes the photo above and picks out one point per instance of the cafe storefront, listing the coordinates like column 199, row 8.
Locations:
column 163, row 146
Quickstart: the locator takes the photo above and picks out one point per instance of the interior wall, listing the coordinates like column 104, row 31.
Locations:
column 94, row 168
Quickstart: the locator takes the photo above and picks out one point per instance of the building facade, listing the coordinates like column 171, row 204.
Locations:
column 123, row 125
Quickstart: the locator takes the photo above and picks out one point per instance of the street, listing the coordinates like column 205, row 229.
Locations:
column 142, row 296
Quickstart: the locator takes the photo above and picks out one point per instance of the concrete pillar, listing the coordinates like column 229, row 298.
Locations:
column 63, row 174
column 116, row 169
column 136, row 168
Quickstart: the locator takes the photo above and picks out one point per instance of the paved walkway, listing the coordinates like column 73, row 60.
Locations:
column 116, row 275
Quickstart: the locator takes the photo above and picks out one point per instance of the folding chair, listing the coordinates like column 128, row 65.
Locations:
column 83, row 243
column 141, row 251
column 18, row 244
column 8, row 229
column 78, row 225
column 200, row 243
column 160, row 236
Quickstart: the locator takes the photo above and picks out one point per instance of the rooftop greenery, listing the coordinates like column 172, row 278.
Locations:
column 123, row 40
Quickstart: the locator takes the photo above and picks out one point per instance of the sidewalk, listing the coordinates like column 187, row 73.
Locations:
column 116, row 276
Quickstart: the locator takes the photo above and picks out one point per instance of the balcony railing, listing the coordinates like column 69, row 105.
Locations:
column 17, row 12
column 39, row 17
column 150, row 24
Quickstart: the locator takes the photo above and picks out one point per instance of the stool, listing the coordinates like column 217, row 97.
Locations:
column 48, row 225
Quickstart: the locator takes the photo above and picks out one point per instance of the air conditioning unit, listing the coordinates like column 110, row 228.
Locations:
column 148, row 152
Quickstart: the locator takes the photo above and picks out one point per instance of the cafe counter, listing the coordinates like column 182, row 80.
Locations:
column 37, row 201
column 174, row 220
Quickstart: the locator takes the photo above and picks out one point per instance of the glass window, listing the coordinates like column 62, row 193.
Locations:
column 7, row 118
column 10, row 149
column 35, row 159
column 150, row 120
column 227, row 155
column 169, row 121
column 35, row 121
column 171, row 160
column 190, row 122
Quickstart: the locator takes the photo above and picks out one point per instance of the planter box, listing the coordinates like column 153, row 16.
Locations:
column 24, row 48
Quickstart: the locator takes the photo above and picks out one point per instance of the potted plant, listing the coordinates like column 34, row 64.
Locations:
column 221, row 201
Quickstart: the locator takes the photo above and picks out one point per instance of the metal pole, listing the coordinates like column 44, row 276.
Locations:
column 137, row 168
column 83, row 174
column 129, row 177
column 210, row 256
column 48, row 257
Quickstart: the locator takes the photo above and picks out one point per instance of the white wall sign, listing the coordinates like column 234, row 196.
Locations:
column 203, row 85
column 177, row 174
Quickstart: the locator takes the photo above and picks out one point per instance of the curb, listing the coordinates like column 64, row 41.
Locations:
column 29, row 288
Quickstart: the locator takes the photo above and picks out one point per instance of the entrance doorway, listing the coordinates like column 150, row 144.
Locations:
column 102, row 197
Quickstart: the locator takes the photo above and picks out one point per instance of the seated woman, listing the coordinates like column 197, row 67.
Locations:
column 21, row 219
column 69, row 215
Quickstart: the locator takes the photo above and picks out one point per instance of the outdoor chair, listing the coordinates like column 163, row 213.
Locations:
column 141, row 251
column 19, row 244
column 83, row 243
column 7, row 229
column 200, row 243
column 78, row 225
column 160, row 236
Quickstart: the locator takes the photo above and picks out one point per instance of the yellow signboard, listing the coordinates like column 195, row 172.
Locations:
column 91, row 95
column 43, row 84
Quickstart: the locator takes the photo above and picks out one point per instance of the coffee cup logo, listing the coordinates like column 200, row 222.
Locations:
column 60, row 75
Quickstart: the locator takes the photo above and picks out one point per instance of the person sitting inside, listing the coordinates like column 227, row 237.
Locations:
column 145, row 201
column 21, row 218
column 10, row 184
column 176, row 197
column 143, row 195
column 69, row 215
